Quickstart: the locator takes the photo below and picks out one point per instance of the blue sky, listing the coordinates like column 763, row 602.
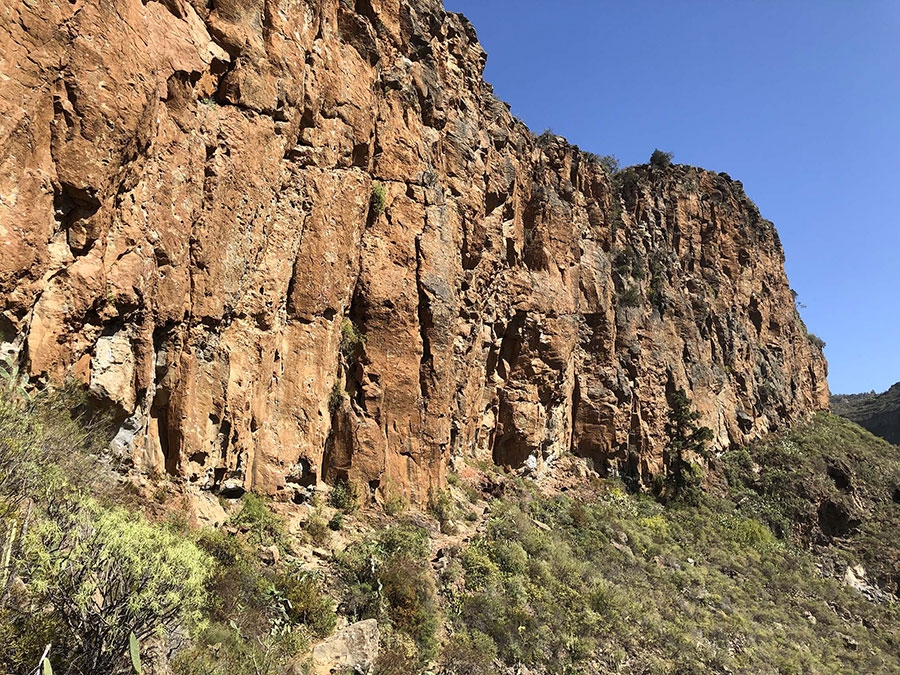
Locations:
column 799, row 100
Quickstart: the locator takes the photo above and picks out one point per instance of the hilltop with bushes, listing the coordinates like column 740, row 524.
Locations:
column 879, row 413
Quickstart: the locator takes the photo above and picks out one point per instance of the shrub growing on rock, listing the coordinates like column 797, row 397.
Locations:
column 378, row 199
column 661, row 160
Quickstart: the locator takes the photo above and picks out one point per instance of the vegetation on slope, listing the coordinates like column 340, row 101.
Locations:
column 574, row 575
column 829, row 485
column 879, row 413
column 81, row 572
column 622, row 584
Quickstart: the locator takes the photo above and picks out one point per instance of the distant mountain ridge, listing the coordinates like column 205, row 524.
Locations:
column 879, row 413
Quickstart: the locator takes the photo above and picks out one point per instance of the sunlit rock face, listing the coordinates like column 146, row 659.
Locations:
column 188, row 226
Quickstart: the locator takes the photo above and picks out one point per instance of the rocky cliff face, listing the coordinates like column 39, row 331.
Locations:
column 193, row 223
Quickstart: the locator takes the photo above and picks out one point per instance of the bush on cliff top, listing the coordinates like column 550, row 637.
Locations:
column 661, row 160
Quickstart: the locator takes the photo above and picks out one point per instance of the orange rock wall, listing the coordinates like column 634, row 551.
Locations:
column 187, row 225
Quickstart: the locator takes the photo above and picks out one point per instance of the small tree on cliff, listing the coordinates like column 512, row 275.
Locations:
column 685, row 437
column 661, row 160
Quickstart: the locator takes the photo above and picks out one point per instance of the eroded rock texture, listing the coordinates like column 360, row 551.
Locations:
column 187, row 225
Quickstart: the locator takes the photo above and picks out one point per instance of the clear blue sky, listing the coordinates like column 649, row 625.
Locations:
column 799, row 100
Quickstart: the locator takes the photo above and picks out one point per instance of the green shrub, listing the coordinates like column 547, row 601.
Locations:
column 627, row 181
column 631, row 297
column 317, row 527
column 628, row 262
column 661, row 160
column 469, row 654
column 390, row 578
column 398, row 655
column 610, row 163
column 336, row 397
column 92, row 574
column 344, row 496
column 307, row 603
column 750, row 532
column 816, row 341
column 49, row 439
column 24, row 635
column 441, row 506
column 394, row 502
column 258, row 616
column 378, row 199
column 221, row 648
column 352, row 338
column 107, row 573
column 263, row 526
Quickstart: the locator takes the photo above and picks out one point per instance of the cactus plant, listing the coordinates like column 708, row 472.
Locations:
column 134, row 649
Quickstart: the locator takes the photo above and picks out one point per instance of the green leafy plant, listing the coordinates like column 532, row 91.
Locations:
column 816, row 341
column 134, row 651
column 306, row 601
column 394, row 502
column 631, row 297
column 344, row 496
column 352, row 338
column 627, row 180
column 661, row 160
column 378, row 199
column 317, row 527
column 610, row 163
column 257, row 519
column 337, row 396
column 442, row 507
column 109, row 575
column 390, row 578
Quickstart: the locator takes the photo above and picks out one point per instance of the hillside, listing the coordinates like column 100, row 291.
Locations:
column 879, row 413
column 307, row 243
column 790, row 565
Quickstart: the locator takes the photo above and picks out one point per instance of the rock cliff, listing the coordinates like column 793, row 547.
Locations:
column 300, row 240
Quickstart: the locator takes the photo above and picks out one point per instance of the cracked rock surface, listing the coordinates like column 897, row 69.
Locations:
column 188, row 226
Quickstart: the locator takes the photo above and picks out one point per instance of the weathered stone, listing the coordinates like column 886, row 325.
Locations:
column 203, row 509
column 187, row 225
column 353, row 648
column 269, row 555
